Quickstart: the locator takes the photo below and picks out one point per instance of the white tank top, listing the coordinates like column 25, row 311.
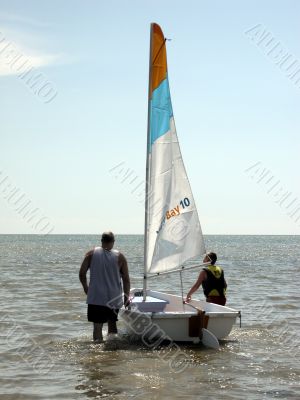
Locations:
column 105, row 287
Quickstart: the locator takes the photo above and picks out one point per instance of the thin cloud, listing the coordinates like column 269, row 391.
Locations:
column 23, row 45
column 33, row 61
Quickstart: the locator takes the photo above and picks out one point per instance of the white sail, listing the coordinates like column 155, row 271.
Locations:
column 173, row 231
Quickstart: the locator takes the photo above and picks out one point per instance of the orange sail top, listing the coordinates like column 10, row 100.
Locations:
column 158, row 57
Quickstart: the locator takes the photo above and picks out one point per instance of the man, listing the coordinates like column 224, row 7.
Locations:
column 212, row 280
column 104, row 293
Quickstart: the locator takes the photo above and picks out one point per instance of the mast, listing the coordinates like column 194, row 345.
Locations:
column 147, row 183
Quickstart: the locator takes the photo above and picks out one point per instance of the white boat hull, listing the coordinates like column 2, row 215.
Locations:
column 173, row 322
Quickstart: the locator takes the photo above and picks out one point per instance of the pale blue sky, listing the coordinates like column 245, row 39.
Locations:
column 233, row 108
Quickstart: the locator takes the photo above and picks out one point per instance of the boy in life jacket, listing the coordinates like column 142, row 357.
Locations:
column 213, row 282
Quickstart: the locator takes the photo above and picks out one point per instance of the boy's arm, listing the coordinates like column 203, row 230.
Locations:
column 202, row 276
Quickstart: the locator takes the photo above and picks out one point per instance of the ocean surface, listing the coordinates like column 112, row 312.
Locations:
column 46, row 343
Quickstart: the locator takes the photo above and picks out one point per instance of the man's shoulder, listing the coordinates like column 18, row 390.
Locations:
column 121, row 259
column 117, row 252
column 89, row 253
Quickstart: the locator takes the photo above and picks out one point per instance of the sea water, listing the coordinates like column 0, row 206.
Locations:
column 46, row 341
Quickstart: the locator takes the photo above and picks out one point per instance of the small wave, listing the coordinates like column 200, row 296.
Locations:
column 287, row 306
column 277, row 297
column 281, row 394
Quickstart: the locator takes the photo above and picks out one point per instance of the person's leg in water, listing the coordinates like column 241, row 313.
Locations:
column 97, row 333
column 112, row 327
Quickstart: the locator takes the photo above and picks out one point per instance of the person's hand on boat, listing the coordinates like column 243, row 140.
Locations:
column 127, row 301
column 188, row 299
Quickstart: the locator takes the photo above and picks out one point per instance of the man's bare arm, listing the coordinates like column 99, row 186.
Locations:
column 84, row 269
column 125, row 277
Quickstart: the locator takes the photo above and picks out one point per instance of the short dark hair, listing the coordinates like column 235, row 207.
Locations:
column 213, row 257
column 107, row 237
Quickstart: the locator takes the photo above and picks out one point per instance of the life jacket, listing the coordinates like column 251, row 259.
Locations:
column 215, row 284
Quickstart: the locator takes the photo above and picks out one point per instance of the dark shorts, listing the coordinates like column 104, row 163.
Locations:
column 216, row 300
column 101, row 314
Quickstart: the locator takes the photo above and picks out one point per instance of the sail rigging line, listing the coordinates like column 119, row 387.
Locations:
column 159, row 50
column 182, row 268
column 181, row 286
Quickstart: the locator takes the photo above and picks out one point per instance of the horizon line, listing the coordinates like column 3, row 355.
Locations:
column 142, row 234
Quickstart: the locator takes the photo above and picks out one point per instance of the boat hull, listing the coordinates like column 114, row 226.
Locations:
column 174, row 322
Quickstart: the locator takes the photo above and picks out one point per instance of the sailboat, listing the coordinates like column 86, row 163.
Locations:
column 173, row 232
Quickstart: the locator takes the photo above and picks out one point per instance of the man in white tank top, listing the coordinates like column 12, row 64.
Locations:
column 108, row 271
